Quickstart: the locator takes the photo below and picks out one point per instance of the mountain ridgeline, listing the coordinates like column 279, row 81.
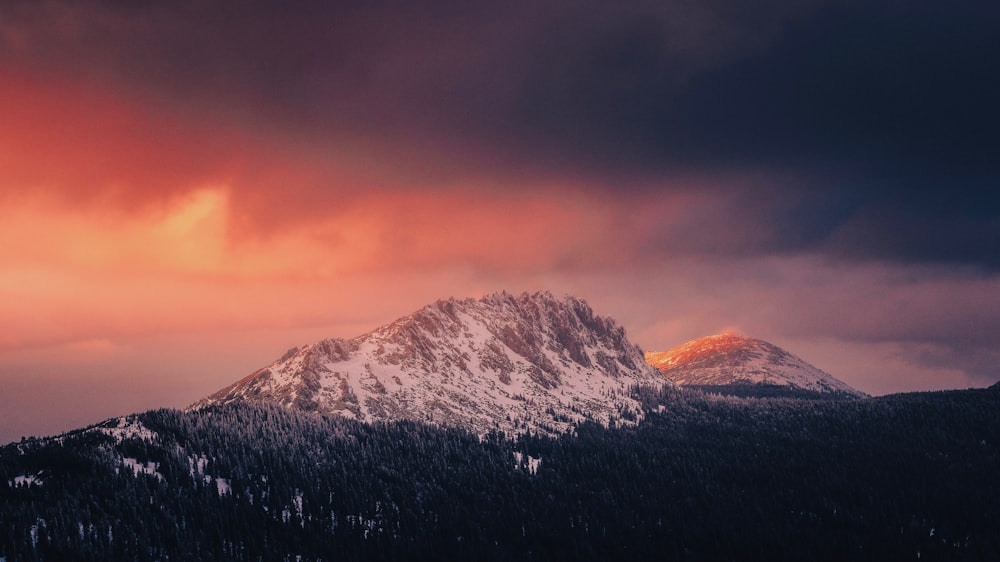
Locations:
column 518, row 428
column 508, row 363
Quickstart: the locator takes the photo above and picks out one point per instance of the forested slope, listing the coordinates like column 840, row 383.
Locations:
column 700, row 478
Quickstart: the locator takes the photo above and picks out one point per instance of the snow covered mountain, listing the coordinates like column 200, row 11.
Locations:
column 512, row 363
column 728, row 359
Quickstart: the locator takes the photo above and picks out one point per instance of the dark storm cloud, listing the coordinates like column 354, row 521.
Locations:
column 885, row 113
column 558, row 81
column 893, row 106
column 869, row 83
column 859, row 129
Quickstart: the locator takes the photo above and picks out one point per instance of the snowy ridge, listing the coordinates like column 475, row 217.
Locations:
column 503, row 362
column 125, row 427
column 727, row 359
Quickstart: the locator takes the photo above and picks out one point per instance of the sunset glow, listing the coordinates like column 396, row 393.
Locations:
column 185, row 195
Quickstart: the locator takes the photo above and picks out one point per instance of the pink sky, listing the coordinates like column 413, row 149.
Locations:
column 168, row 226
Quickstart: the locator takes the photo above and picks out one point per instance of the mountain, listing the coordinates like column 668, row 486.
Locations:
column 503, row 362
column 730, row 359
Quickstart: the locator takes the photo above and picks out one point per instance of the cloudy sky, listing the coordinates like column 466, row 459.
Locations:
column 189, row 188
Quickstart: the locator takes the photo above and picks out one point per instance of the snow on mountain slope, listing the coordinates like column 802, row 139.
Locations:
column 726, row 359
column 512, row 363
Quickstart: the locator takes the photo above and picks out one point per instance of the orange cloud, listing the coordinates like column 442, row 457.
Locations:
column 95, row 272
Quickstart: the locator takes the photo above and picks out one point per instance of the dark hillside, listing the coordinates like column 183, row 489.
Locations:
column 708, row 478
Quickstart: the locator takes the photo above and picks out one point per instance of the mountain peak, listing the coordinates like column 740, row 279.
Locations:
column 509, row 362
column 707, row 349
column 730, row 358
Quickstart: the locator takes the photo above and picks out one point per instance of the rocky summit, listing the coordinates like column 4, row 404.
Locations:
column 531, row 362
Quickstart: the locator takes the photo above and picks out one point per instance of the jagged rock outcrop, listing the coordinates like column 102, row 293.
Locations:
column 503, row 362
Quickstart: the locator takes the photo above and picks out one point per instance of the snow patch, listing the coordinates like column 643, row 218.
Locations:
column 198, row 469
column 26, row 480
column 127, row 427
column 196, row 465
column 151, row 468
column 526, row 462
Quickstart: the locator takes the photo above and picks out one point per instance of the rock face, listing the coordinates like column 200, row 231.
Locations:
column 731, row 359
column 504, row 362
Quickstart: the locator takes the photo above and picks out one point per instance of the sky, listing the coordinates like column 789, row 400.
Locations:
column 189, row 188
